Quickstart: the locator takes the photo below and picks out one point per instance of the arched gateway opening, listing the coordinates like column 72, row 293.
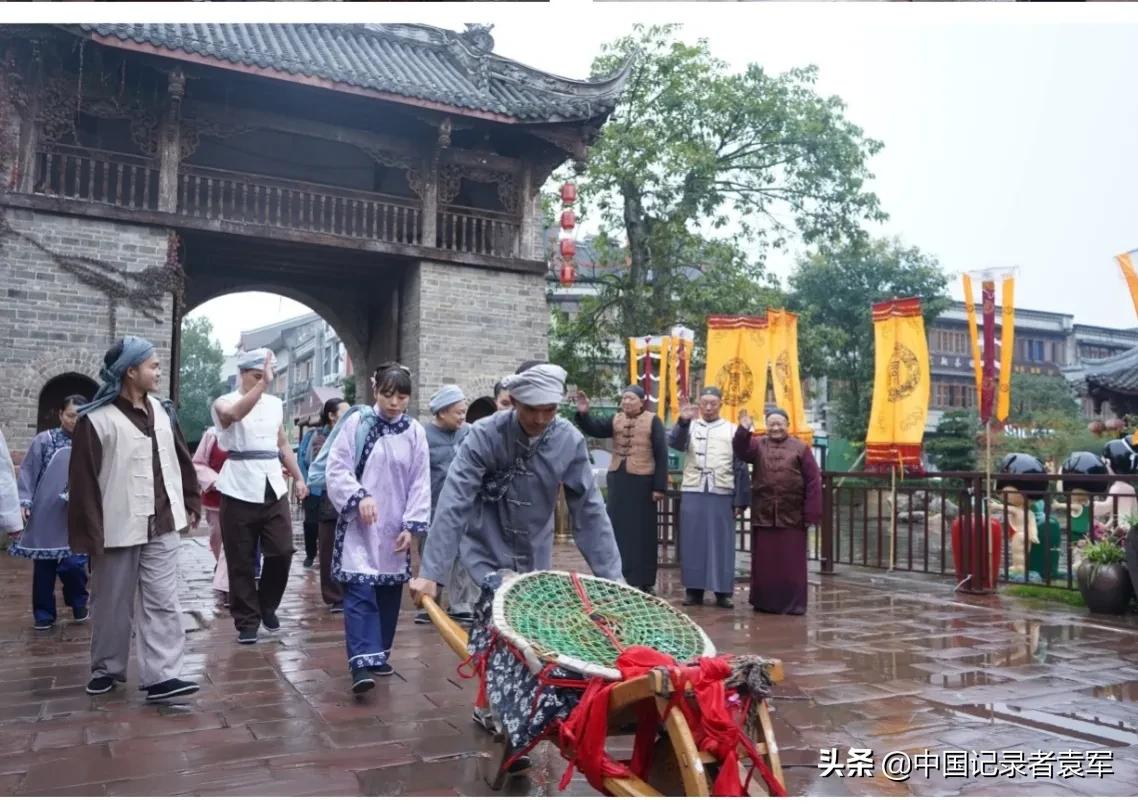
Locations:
column 355, row 293
column 55, row 390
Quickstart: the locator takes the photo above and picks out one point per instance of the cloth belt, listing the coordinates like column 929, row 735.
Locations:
column 255, row 455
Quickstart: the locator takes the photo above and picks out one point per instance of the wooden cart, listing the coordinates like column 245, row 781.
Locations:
column 678, row 766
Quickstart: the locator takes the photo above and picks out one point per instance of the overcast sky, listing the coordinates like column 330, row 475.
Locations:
column 1004, row 144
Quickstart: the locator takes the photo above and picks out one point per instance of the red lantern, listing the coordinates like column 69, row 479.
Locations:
column 568, row 193
column 568, row 219
column 568, row 273
column 568, row 249
column 1096, row 427
column 1115, row 424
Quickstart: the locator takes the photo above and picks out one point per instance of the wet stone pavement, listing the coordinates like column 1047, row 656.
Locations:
column 881, row 663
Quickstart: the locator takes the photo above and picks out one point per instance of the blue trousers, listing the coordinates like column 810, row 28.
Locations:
column 72, row 572
column 370, row 615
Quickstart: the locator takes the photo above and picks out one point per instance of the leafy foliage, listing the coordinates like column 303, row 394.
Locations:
column 833, row 289
column 953, row 446
column 348, row 389
column 698, row 173
column 199, row 376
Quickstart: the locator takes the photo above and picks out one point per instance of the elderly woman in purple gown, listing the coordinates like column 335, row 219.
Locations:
column 43, row 501
column 379, row 479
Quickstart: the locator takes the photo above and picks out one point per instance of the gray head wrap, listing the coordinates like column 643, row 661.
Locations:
column 135, row 351
column 252, row 360
column 537, row 386
column 635, row 390
column 711, row 390
column 446, row 396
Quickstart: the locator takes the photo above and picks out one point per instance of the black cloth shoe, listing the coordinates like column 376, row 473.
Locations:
column 308, row 562
column 520, row 764
column 81, row 614
column 270, row 621
column 382, row 671
column 422, row 618
column 336, row 608
column 464, row 617
column 170, row 688
column 101, row 685
column 362, row 681
column 45, row 625
column 247, row 637
column 693, row 598
column 723, row 601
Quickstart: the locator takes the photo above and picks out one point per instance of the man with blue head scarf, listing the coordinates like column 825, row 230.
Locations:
column 133, row 491
column 254, row 497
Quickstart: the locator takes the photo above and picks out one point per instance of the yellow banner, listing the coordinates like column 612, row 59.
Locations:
column 633, row 361
column 737, row 358
column 1007, row 350
column 787, row 380
column 1125, row 261
column 973, row 335
column 679, row 367
column 662, row 392
column 900, row 387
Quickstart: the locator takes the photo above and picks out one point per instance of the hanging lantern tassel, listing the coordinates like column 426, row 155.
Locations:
column 568, row 273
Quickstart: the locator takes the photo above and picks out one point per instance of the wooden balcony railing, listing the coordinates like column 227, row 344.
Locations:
column 132, row 182
column 299, row 206
column 85, row 174
column 476, row 231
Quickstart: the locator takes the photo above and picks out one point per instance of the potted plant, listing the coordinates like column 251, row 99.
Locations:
column 1101, row 571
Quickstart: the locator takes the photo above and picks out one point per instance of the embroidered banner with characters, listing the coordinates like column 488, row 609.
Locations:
column 737, row 360
column 993, row 375
column 900, row 388
column 786, row 379
column 681, row 343
column 648, row 367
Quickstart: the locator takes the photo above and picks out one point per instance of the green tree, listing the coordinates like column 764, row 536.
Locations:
column 348, row 388
column 199, row 376
column 833, row 288
column 701, row 170
column 953, row 446
column 1037, row 396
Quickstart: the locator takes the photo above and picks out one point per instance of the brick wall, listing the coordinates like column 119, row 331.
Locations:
column 470, row 327
column 51, row 323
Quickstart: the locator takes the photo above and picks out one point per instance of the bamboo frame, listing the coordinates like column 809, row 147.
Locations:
column 689, row 777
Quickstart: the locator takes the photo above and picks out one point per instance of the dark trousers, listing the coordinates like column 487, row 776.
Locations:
column 244, row 527
column 370, row 615
column 330, row 588
column 72, row 572
column 311, row 525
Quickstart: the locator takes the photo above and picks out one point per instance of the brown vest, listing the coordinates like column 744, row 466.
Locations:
column 778, row 488
column 632, row 443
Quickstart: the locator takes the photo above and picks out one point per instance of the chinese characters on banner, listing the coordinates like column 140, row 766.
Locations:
column 901, row 386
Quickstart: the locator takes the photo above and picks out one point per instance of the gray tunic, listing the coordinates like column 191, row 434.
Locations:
column 496, row 508
column 443, row 446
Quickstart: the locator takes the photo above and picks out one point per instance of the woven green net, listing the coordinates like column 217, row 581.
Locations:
column 545, row 609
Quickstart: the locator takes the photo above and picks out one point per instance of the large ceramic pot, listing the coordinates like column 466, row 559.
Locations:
column 1106, row 588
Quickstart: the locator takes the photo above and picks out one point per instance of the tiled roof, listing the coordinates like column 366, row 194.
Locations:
column 1117, row 374
column 416, row 62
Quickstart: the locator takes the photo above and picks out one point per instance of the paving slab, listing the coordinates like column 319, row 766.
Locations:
column 880, row 663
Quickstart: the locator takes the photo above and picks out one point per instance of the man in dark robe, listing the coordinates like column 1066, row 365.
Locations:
column 637, row 480
column 786, row 497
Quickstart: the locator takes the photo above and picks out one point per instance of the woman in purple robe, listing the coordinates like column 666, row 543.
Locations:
column 786, row 497
column 379, row 478
column 43, row 501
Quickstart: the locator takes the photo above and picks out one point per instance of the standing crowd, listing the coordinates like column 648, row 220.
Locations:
column 102, row 501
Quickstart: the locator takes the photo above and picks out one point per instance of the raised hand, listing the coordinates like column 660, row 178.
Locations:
column 582, row 402
column 745, row 421
column 689, row 411
column 268, row 368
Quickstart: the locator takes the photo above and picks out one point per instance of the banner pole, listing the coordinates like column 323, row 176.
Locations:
column 893, row 516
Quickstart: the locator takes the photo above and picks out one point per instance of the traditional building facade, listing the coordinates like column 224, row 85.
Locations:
column 386, row 176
